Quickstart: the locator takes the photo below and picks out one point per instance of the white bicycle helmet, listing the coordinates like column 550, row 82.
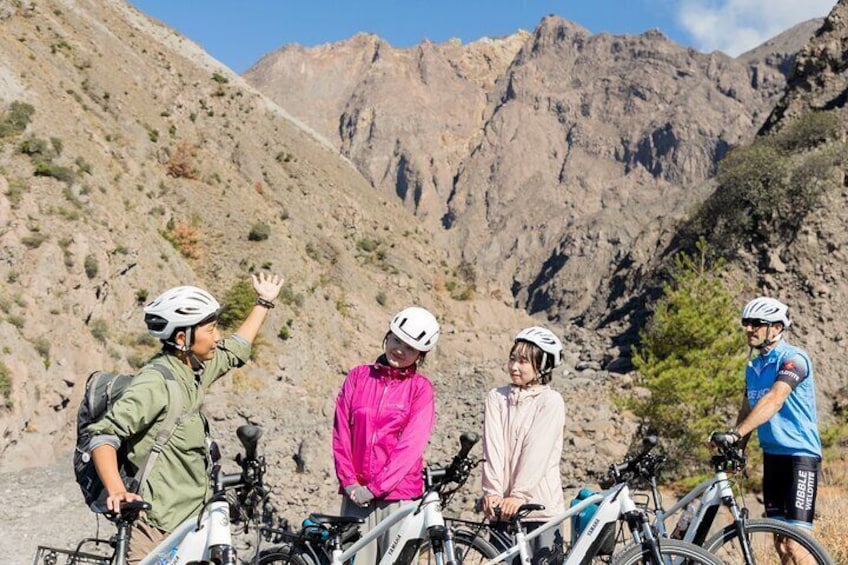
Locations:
column 416, row 327
column 545, row 340
column 179, row 307
column 768, row 310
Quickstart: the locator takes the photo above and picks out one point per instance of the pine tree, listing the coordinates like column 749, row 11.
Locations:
column 691, row 359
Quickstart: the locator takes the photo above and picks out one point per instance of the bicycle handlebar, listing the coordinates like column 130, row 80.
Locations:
column 458, row 470
column 643, row 464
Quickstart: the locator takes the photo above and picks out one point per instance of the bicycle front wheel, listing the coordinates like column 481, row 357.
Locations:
column 469, row 550
column 672, row 551
column 771, row 541
column 283, row 555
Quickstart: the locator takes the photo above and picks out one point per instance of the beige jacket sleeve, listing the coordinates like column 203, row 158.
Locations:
column 494, row 456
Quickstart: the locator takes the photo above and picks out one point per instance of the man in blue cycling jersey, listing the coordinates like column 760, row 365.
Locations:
column 780, row 403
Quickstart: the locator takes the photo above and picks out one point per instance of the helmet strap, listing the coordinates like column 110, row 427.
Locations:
column 767, row 342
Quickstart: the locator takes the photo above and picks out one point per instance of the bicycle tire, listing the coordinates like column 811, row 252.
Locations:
column 283, row 555
column 761, row 531
column 469, row 550
column 672, row 551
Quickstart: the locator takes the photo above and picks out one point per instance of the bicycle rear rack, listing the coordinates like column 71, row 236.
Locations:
column 54, row 556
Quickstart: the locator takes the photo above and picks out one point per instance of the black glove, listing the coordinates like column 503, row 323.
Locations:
column 725, row 439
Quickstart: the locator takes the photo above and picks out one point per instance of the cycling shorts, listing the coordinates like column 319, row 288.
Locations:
column 790, row 484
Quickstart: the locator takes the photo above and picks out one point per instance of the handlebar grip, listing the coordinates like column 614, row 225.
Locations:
column 621, row 467
column 467, row 440
column 230, row 479
column 249, row 436
column 648, row 443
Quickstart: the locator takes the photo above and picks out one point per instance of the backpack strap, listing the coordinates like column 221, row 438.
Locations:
column 173, row 418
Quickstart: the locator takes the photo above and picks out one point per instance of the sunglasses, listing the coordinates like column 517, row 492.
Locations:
column 754, row 323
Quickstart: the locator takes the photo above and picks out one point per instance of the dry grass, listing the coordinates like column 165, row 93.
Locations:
column 181, row 163
column 186, row 238
column 832, row 501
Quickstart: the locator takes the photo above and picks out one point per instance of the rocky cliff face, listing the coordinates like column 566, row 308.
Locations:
column 146, row 164
column 542, row 170
column 554, row 172
column 404, row 117
column 806, row 267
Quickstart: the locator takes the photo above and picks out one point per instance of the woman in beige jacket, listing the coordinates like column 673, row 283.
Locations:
column 522, row 440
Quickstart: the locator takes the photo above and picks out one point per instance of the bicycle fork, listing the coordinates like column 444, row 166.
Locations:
column 441, row 540
column 740, row 517
column 643, row 534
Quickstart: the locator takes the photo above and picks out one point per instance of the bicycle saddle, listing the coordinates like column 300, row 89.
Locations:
column 335, row 520
column 526, row 509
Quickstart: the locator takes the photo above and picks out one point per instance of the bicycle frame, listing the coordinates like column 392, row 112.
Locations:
column 417, row 518
column 713, row 492
column 196, row 541
column 615, row 503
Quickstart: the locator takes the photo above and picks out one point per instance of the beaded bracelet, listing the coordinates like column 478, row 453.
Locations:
column 264, row 303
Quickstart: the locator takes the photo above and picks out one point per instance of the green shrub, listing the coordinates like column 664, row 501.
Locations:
column 809, row 130
column 239, row 300
column 284, row 333
column 83, row 166
column 290, row 297
column 34, row 240
column 35, row 147
column 260, row 231
column 99, row 329
column 465, row 292
column 220, row 78
column 91, row 266
column 367, row 244
column 5, row 385
column 42, row 346
column 146, row 340
column 141, row 296
column 381, row 298
column 137, row 360
column 16, row 119
column 691, row 359
column 767, row 189
column 49, row 169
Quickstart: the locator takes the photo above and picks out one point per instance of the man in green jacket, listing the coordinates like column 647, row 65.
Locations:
column 185, row 319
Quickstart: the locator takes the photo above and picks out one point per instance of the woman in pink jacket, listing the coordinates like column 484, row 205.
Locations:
column 384, row 415
column 522, row 440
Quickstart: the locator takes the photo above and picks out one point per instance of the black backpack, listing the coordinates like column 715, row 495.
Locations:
column 101, row 390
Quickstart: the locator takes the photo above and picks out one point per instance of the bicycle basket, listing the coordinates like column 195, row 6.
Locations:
column 54, row 556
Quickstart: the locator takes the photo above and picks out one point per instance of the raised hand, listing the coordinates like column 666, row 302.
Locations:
column 267, row 286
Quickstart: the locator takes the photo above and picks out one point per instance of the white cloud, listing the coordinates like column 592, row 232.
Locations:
column 735, row 26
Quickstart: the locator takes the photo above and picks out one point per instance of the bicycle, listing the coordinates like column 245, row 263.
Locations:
column 206, row 538
column 421, row 538
column 598, row 539
column 744, row 540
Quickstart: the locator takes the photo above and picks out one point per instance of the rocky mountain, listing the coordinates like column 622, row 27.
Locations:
column 805, row 263
column 405, row 117
column 131, row 161
column 556, row 169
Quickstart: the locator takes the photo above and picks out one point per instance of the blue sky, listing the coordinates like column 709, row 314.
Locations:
column 239, row 32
